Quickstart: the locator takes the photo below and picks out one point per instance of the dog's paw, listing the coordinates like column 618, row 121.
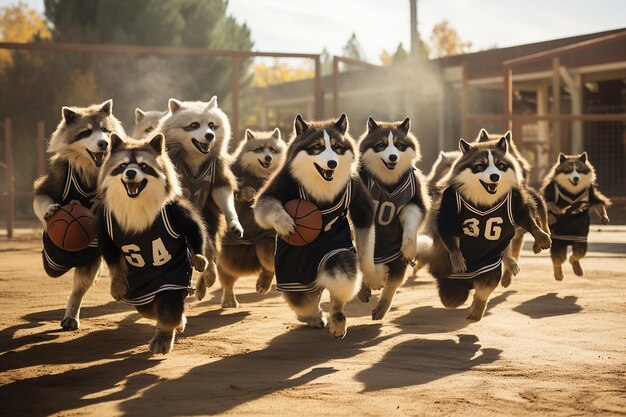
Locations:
column 199, row 262
column 119, row 287
column 209, row 274
column 263, row 286
column 605, row 220
column 376, row 278
column 161, row 344
column 365, row 293
column 337, row 326
column 200, row 290
column 247, row 194
column 52, row 208
column 542, row 241
column 551, row 218
column 409, row 248
column 511, row 265
column 229, row 301
column 284, row 224
column 235, row 227
column 506, row 279
column 458, row 263
column 70, row 323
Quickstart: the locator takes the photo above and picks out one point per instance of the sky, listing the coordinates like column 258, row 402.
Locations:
column 310, row 25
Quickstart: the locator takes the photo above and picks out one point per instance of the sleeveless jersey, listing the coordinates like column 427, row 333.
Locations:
column 157, row 258
column 573, row 227
column 252, row 232
column 297, row 267
column 197, row 189
column 485, row 235
column 387, row 208
column 57, row 258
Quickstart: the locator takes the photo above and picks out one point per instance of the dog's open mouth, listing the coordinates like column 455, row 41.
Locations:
column 201, row 146
column 390, row 165
column 265, row 164
column 97, row 157
column 573, row 182
column 134, row 188
column 491, row 187
column 327, row 174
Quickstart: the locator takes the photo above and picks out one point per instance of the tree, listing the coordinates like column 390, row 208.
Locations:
column 446, row 41
column 353, row 49
column 279, row 72
column 20, row 23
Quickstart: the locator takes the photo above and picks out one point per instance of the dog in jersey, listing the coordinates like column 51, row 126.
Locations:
column 197, row 136
column 474, row 221
column 146, row 122
column 259, row 155
column 538, row 205
column 78, row 147
column 570, row 190
column 388, row 154
column 441, row 167
column 150, row 236
column 320, row 168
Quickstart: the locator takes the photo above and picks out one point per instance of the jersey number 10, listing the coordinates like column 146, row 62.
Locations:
column 471, row 227
column 160, row 255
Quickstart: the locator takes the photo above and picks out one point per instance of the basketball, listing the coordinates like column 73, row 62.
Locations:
column 308, row 219
column 72, row 227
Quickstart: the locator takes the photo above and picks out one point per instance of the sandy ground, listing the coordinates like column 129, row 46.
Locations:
column 544, row 347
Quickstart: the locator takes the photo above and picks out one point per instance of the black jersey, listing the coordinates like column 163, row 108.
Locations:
column 570, row 226
column 56, row 258
column 485, row 234
column 157, row 258
column 197, row 189
column 252, row 232
column 387, row 204
column 297, row 267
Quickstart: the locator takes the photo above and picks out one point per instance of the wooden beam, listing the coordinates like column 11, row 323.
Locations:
column 317, row 97
column 41, row 148
column 464, row 101
column 234, row 96
column 8, row 149
column 508, row 97
column 556, row 109
column 335, row 86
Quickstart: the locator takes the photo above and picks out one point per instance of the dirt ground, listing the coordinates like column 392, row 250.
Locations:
column 544, row 347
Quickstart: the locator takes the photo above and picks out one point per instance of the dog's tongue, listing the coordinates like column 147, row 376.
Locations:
column 98, row 157
column 328, row 174
column 492, row 187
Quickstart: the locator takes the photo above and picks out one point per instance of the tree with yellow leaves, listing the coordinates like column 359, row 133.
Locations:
column 20, row 23
column 279, row 72
column 446, row 41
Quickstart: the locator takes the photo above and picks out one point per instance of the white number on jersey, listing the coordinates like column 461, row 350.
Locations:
column 133, row 256
column 492, row 229
column 200, row 197
column 387, row 212
column 160, row 255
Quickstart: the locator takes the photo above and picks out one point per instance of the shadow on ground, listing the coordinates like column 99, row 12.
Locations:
column 549, row 305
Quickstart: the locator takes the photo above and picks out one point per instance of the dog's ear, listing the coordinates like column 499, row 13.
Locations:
column 249, row 135
column 116, row 142
column 158, row 143
column 371, row 124
column 106, row 107
column 464, row 146
column 583, row 157
column 442, row 154
column 69, row 115
column 212, row 103
column 276, row 133
column 342, row 124
column 174, row 105
column 300, row 125
column 139, row 115
column 405, row 126
column 483, row 136
column 508, row 136
column 503, row 145
column 562, row 157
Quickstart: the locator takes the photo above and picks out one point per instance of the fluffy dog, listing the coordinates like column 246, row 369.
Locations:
column 570, row 191
column 78, row 146
column 389, row 153
column 146, row 233
column 259, row 155
column 320, row 167
column 146, row 122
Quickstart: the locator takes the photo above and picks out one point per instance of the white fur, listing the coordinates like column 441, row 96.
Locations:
column 374, row 275
column 304, row 171
column 41, row 205
column 374, row 162
column 410, row 217
column 270, row 214
column 472, row 190
column 584, row 180
column 137, row 214
column 225, row 201
column 342, row 287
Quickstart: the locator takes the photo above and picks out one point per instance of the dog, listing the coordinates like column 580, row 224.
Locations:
column 146, row 122
column 78, row 147
column 320, row 167
column 150, row 236
column 570, row 190
column 474, row 221
column 538, row 205
column 441, row 167
column 197, row 136
column 388, row 155
column 258, row 156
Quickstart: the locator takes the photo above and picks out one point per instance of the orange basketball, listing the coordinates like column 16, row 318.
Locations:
column 72, row 227
column 308, row 219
